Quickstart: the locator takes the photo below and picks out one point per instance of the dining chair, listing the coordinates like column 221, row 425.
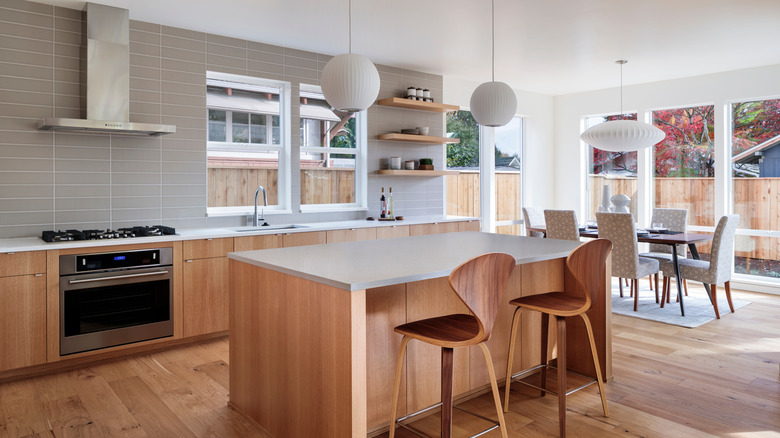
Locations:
column 561, row 224
column 587, row 263
column 480, row 284
column 533, row 216
column 715, row 271
column 626, row 263
column 675, row 219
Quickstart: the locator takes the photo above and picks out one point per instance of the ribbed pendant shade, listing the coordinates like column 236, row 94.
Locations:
column 622, row 135
column 493, row 104
column 350, row 82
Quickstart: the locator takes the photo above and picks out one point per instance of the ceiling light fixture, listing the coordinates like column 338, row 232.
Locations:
column 350, row 82
column 493, row 103
column 622, row 135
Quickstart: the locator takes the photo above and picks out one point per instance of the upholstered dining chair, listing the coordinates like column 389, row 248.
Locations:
column 533, row 216
column 715, row 271
column 561, row 224
column 675, row 219
column 626, row 263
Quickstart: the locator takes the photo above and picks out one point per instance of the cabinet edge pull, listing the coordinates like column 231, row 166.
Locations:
column 39, row 275
column 188, row 261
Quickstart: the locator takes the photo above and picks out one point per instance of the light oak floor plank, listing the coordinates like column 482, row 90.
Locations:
column 720, row 379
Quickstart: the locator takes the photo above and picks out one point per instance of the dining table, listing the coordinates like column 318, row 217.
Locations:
column 671, row 238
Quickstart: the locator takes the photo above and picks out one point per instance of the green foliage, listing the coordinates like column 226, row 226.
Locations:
column 347, row 140
column 465, row 153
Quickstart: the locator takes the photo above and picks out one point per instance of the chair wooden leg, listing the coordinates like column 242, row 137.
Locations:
column 561, row 332
column 713, row 294
column 656, row 287
column 512, row 342
column 664, row 291
column 650, row 280
column 620, row 283
column 626, row 280
column 727, row 285
column 494, row 386
column 396, row 389
column 446, row 392
column 545, row 337
column 595, row 355
column 635, row 286
column 685, row 286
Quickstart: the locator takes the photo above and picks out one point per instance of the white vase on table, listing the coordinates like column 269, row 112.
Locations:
column 620, row 202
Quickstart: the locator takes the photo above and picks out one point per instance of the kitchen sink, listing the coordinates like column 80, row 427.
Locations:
column 268, row 228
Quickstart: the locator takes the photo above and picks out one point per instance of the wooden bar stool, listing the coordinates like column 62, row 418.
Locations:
column 587, row 264
column 480, row 284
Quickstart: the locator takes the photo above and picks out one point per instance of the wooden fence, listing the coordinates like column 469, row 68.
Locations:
column 756, row 200
column 463, row 197
column 235, row 186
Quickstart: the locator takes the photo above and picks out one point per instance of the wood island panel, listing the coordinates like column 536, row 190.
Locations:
column 297, row 358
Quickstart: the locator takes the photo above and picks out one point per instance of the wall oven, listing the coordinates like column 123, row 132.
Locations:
column 115, row 298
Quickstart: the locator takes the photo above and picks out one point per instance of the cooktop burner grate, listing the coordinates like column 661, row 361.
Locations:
column 121, row 233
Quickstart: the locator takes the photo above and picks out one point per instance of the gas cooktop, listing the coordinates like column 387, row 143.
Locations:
column 120, row 233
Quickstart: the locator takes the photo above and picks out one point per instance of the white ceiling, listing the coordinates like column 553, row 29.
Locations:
column 545, row 46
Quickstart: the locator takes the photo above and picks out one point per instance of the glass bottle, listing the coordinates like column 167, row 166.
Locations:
column 383, row 202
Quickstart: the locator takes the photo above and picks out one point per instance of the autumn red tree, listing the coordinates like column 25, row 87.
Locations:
column 754, row 123
column 688, row 149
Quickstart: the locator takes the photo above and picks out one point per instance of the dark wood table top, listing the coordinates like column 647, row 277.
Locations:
column 665, row 239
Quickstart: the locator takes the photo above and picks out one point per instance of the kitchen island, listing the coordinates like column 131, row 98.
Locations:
column 312, row 347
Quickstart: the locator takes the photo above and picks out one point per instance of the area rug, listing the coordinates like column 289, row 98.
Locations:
column 698, row 309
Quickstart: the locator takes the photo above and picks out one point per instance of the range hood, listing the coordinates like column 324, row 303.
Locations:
column 108, row 79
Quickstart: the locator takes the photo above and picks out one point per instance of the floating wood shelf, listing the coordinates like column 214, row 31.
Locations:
column 403, row 172
column 412, row 138
column 400, row 102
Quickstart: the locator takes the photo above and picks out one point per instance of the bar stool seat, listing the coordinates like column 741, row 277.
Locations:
column 480, row 284
column 587, row 264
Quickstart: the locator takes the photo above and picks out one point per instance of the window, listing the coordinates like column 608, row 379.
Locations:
column 247, row 142
column 508, row 150
column 616, row 170
column 463, row 189
column 755, row 164
column 332, row 157
column 684, row 162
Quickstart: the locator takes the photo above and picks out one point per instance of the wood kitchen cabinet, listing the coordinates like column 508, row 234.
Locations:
column 302, row 239
column 251, row 243
column 351, row 235
column 472, row 225
column 22, row 309
column 205, row 301
column 434, row 228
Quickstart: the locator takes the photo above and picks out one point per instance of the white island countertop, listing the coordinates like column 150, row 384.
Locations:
column 376, row 263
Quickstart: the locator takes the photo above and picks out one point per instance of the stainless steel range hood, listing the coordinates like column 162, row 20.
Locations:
column 108, row 79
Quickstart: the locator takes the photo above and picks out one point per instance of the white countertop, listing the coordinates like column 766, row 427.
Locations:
column 375, row 263
column 37, row 244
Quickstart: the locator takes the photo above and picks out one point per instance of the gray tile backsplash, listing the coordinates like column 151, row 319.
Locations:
column 65, row 180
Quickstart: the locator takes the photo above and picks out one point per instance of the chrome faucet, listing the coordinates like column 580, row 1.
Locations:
column 255, row 218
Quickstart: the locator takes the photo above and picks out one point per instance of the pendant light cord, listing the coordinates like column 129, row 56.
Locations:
column 621, row 88
column 493, row 38
column 350, row 27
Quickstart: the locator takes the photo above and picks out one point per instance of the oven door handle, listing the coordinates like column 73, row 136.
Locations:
column 116, row 277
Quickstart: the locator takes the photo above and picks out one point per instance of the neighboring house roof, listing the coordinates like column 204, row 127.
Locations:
column 752, row 155
column 508, row 162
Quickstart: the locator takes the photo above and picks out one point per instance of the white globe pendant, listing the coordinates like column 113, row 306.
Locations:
column 493, row 104
column 622, row 135
column 350, row 82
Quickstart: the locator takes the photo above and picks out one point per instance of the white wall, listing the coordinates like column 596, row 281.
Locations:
column 719, row 89
column 537, row 110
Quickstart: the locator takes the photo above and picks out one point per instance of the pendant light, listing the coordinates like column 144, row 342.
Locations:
column 493, row 103
column 622, row 135
column 350, row 82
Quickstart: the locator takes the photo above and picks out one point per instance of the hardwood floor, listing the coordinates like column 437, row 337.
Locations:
column 720, row 379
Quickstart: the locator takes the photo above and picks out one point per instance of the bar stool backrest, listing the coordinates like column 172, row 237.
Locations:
column 587, row 264
column 480, row 284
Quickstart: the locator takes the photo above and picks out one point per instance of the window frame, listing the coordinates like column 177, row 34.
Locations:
column 283, row 149
column 361, row 160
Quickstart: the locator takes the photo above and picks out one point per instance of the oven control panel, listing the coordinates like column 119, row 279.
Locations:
column 112, row 261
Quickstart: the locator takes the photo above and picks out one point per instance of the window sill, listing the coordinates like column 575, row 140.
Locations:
column 324, row 208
